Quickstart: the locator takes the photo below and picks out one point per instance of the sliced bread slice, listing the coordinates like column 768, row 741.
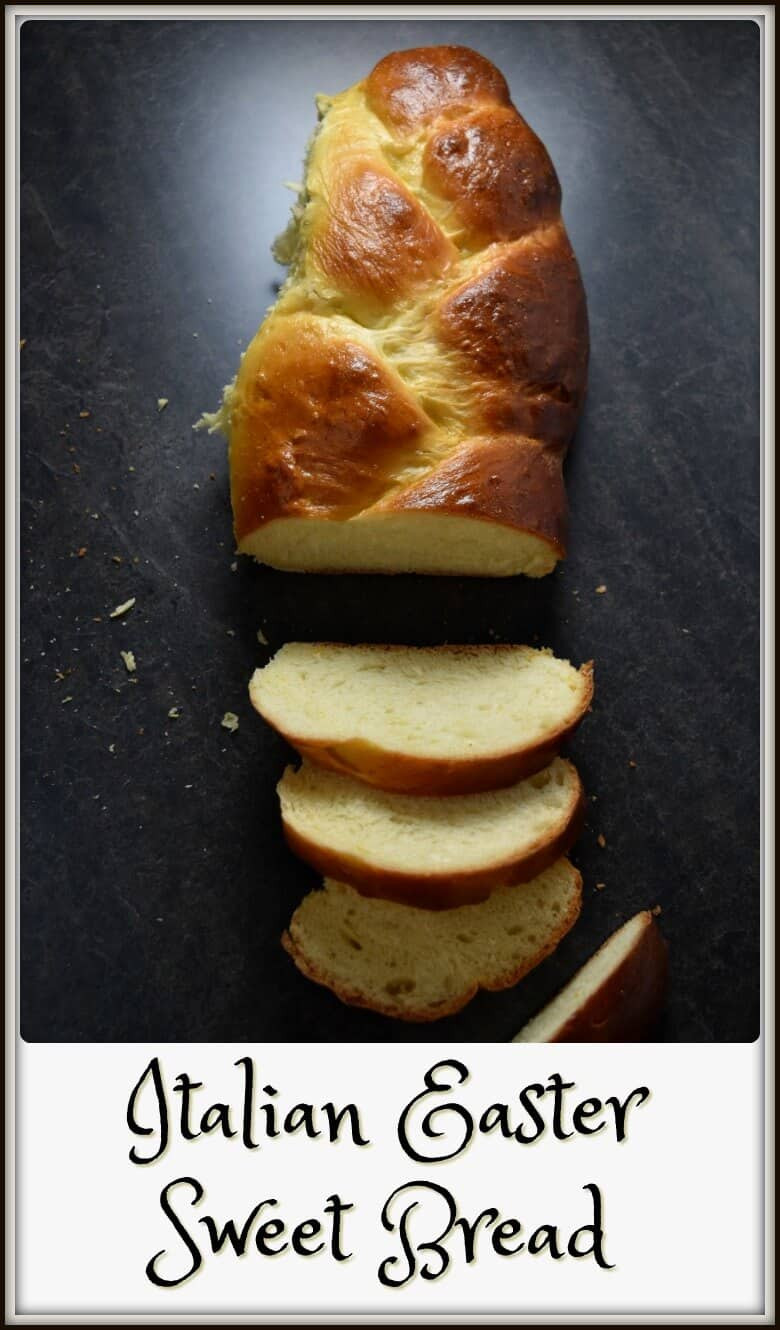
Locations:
column 615, row 997
column 436, row 853
column 423, row 720
column 419, row 965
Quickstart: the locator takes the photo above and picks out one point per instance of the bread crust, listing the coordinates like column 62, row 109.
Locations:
column 509, row 480
column 496, row 173
column 405, row 773
column 627, row 1003
column 322, row 432
column 431, row 203
column 355, row 997
column 446, row 890
column 409, row 89
column 377, row 241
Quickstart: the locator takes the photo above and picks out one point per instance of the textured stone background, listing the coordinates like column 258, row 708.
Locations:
column 155, row 883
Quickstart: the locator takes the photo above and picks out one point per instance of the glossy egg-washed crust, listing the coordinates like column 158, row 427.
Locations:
column 429, row 350
column 406, row 773
column 441, row 891
column 628, row 1002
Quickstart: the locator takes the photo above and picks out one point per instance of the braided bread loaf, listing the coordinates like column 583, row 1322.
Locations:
column 407, row 403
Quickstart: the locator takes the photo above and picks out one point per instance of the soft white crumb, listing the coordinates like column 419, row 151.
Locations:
column 174, row 713
column 234, row 567
column 261, row 637
column 129, row 659
column 162, row 402
column 123, row 608
column 229, row 721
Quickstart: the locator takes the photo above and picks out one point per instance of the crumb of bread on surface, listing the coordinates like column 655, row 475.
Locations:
column 84, row 415
column 600, row 886
column 601, row 839
column 174, row 713
column 116, row 558
column 22, row 342
column 162, row 402
column 122, row 609
column 234, row 567
column 81, row 552
column 631, row 762
column 75, row 468
column 196, row 486
column 600, row 589
column 656, row 910
column 66, row 699
column 129, row 659
column 231, row 632
column 229, row 721
column 261, row 637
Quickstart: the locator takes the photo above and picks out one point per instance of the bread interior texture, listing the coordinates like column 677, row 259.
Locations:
column 417, row 836
column 451, row 703
column 420, row 964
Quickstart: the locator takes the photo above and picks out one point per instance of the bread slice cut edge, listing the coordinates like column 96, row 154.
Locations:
column 615, row 997
column 447, row 888
column 392, row 923
column 432, row 544
column 390, row 768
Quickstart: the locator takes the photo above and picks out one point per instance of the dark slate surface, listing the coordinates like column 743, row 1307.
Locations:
column 155, row 883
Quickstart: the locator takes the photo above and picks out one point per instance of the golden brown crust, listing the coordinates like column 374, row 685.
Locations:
column 377, row 240
column 495, row 171
column 355, row 997
column 408, row 89
column 435, row 232
column 403, row 773
column 505, row 479
column 441, row 891
column 521, row 327
column 322, row 424
column 627, row 1003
